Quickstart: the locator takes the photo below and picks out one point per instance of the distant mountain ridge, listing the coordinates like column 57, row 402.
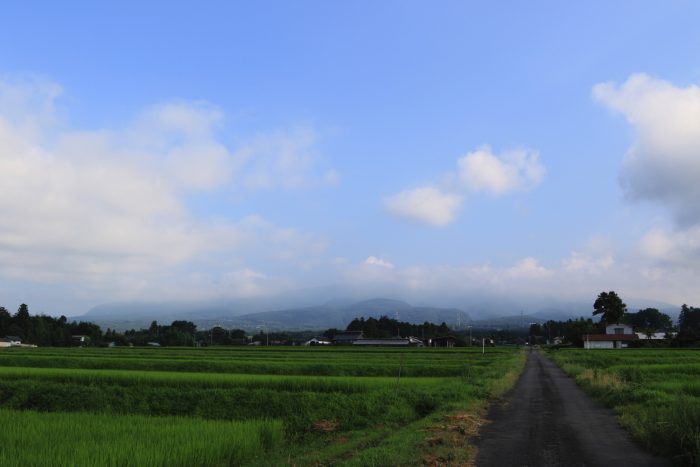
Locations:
column 333, row 314
column 301, row 311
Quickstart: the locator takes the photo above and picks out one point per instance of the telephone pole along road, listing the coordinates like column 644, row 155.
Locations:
column 547, row 420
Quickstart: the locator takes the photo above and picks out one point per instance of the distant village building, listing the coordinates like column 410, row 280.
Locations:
column 390, row 342
column 14, row 340
column 80, row 340
column 347, row 337
column 656, row 336
column 445, row 341
column 617, row 336
column 317, row 341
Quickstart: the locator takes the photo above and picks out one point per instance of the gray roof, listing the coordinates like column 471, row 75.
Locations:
column 381, row 342
column 348, row 336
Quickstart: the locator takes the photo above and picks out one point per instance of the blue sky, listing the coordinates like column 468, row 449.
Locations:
column 414, row 149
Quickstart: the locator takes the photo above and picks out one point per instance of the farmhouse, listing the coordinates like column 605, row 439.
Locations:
column 617, row 336
column 5, row 342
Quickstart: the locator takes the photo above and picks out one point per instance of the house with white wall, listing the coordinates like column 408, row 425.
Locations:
column 617, row 336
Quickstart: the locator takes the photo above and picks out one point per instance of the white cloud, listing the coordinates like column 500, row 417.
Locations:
column 482, row 170
column 332, row 177
column 27, row 103
column 107, row 209
column 427, row 205
column 680, row 249
column 478, row 171
column 374, row 261
column 582, row 262
column 283, row 159
column 528, row 268
column 663, row 164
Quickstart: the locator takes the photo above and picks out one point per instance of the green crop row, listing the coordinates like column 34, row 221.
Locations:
column 389, row 401
column 345, row 384
column 313, row 409
column 656, row 394
column 425, row 363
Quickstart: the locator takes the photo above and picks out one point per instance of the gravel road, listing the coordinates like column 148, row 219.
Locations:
column 547, row 420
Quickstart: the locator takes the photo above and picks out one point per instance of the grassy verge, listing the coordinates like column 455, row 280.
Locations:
column 655, row 393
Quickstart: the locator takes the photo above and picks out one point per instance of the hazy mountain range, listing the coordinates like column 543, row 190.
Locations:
column 309, row 309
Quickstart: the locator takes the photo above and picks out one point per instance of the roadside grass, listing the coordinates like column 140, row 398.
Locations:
column 655, row 392
column 439, row 439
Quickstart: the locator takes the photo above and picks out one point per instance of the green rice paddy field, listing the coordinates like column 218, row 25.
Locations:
column 655, row 392
column 238, row 406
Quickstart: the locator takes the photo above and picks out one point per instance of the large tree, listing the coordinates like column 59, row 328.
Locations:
column 610, row 306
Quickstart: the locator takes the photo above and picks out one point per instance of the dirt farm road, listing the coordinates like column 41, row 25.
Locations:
column 547, row 420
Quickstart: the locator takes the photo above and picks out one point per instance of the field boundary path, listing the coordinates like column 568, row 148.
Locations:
column 547, row 420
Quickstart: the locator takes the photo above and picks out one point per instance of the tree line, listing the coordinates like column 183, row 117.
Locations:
column 384, row 327
column 45, row 330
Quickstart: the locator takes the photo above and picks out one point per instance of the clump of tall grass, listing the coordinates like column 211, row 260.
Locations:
column 671, row 428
